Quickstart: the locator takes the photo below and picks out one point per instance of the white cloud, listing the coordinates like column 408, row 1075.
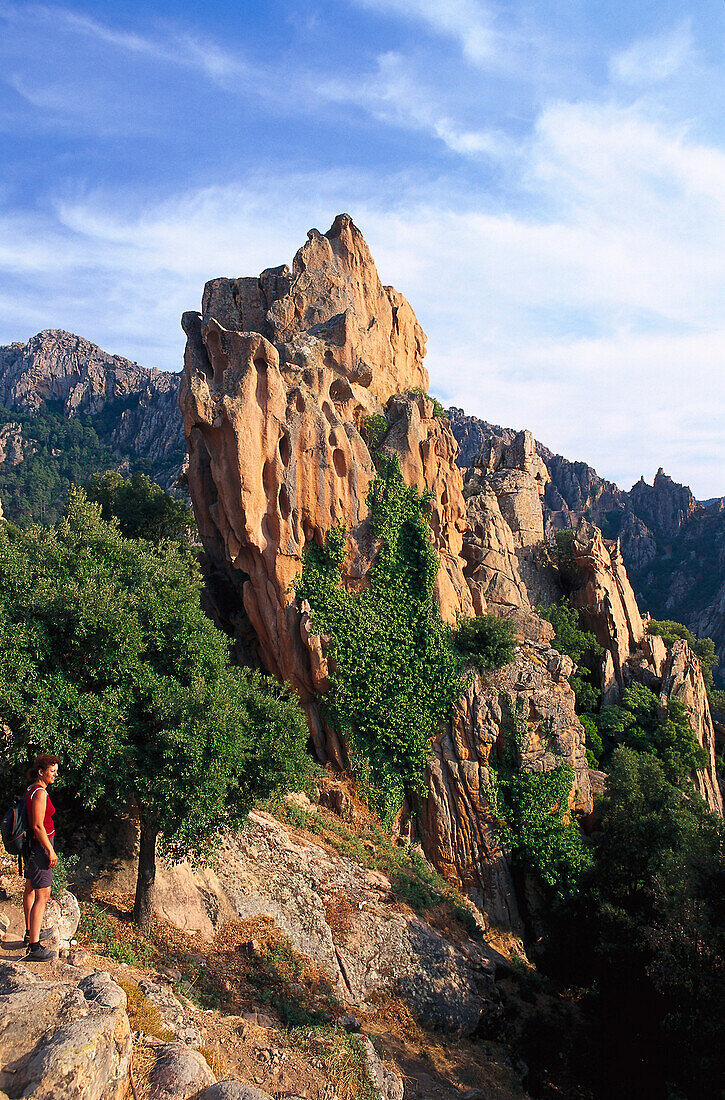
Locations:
column 589, row 316
column 468, row 22
column 396, row 94
column 175, row 47
column 656, row 58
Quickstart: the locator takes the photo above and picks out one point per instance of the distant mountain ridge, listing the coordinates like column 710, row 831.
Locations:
column 68, row 409
column 673, row 546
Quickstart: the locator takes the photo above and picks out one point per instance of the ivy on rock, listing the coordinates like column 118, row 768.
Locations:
column 395, row 673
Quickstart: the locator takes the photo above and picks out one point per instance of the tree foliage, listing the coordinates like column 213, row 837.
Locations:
column 107, row 659
column 645, row 725
column 655, row 913
column 534, row 817
column 581, row 646
column 394, row 671
column 486, row 641
column 60, row 452
column 142, row 508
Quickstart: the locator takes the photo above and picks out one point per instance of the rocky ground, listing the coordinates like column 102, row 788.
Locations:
column 410, row 1001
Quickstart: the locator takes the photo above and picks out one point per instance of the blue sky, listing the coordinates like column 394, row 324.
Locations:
column 545, row 181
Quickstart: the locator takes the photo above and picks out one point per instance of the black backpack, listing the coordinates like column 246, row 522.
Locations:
column 14, row 828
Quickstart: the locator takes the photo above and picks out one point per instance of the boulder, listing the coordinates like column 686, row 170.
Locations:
column 232, row 1090
column 180, row 1073
column 63, row 1040
column 387, row 1082
column 172, row 1012
column 64, row 914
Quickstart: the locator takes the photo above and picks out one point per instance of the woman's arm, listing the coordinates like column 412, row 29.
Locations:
column 38, row 802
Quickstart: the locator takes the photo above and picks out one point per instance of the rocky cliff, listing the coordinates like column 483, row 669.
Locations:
column 672, row 546
column 55, row 378
column 277, row 420
column 608, row 607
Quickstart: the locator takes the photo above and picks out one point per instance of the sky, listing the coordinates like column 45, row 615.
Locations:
column 543, row 179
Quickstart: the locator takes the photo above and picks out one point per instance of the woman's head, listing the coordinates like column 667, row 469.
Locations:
column 44, row 767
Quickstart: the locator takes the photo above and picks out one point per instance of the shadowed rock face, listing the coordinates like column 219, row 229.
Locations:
column 57, row 370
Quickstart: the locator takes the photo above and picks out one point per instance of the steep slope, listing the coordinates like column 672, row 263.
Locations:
column 67, row 409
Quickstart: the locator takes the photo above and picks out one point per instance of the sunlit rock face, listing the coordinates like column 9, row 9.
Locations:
column 682, row 680
column 610, row 610
column 280, row 375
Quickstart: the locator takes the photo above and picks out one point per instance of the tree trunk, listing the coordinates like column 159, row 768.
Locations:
column 143, row 904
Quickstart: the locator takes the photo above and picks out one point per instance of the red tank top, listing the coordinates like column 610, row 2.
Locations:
column 49, row 811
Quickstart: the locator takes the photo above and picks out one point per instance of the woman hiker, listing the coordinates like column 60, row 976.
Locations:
column 41, row 855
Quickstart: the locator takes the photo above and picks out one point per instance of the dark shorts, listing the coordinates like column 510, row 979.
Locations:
column 38, row 871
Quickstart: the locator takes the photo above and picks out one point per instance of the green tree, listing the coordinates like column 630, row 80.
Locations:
column 657, row 918
column 107, row 659
column 486, row 641
column 142, row 508
column 394, row 673
column 644, row 725
column 581, row 646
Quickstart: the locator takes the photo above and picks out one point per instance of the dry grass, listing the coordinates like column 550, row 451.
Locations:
column 142, row 1014
column 217, row 1060
column 142, row 1065
column 343, row 1058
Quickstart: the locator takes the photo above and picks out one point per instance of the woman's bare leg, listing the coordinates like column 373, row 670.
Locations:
column 28, row 900
column 37, row 913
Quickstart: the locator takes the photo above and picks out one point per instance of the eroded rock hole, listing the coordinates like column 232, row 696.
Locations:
column 285, row 450
column 261, row 368
column 284, row 505
column 340, row 391
column 339, row 462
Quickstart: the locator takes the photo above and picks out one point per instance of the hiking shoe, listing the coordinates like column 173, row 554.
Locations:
column 45, row 933
column 40, row 954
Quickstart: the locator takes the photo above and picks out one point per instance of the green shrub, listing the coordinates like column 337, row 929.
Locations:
column 438, row 410
column 112, row 938
column 538, row 830
column 486, row 641
column 374, row 429
column 703, row 648
column 562, row 552
column 642, row 724
column 394, row 672
column 533, row 813
column 63, row 874
column 583, row 648
column 142, row 508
